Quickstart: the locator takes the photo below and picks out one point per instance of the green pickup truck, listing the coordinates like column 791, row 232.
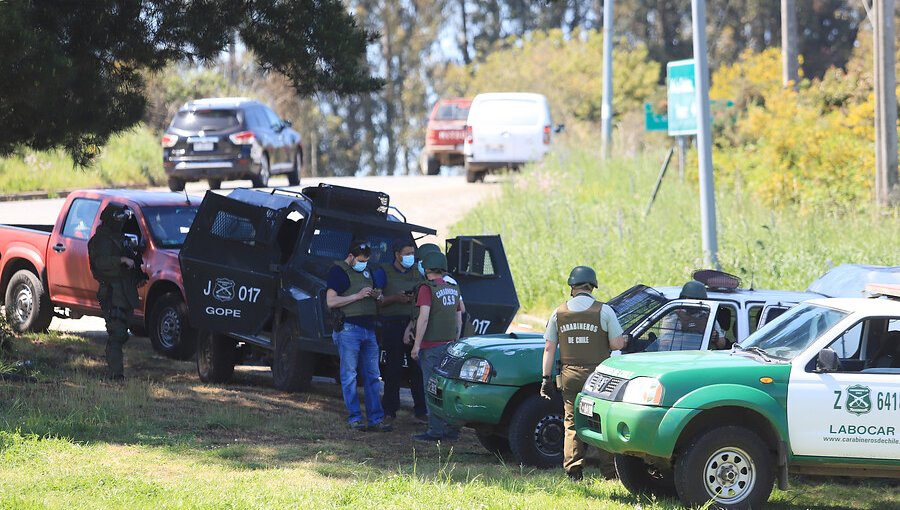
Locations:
column 491, row 382
column 816, row 391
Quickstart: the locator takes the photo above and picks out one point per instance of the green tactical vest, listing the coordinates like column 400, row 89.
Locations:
column 581, row 339
column 442, row 316
column 358, row 281
column 397, row 283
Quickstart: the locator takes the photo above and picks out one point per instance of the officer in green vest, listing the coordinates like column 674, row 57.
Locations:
column 585, row 330
column 439, row 322
column 351, row 292
column 113, row 269
column 399, row 280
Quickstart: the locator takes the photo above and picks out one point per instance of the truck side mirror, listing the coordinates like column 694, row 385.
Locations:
column 559, row 128
column 827, row 361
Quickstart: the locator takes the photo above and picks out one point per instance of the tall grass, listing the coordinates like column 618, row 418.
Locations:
column 575, row 209
column 130, row 158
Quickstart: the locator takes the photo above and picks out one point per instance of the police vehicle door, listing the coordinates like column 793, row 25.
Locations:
column 851, row 413
column 479, row 265
column 680, row 325
column 230, row 265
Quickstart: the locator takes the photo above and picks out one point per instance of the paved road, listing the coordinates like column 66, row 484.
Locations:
column 437, row 201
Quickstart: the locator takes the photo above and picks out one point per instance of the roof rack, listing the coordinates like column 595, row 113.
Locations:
column 888, row 290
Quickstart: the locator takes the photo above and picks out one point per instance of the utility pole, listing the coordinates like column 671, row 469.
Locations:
column 704, row 140
column 886, row 177
column 789, row 66
column 606, row 108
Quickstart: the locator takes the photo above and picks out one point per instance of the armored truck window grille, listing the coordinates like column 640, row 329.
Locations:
column 636, row 303
column 476, row 259
column 233, row 228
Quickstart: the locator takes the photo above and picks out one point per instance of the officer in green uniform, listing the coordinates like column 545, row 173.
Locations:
column 585, row 330
column 114, row 270
column 439, row 322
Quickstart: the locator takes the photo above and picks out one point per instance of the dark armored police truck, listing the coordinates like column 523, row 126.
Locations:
column 255, row 265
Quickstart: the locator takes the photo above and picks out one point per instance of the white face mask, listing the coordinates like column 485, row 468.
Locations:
column 407, row 261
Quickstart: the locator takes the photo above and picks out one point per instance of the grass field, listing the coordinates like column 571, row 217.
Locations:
column 130, row 158
column 573, row 209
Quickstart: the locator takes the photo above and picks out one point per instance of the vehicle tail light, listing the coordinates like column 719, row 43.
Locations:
column 242, row 138
column 469, row 137
column 546, row 135
column 169, row 141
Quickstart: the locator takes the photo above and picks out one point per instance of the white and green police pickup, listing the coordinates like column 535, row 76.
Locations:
column 816, row 391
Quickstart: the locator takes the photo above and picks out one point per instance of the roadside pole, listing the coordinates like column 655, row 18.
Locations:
column 682, row 146
column 606, row 107
column 704, row 142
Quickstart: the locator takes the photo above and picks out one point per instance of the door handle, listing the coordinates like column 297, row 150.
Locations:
column 59, row 247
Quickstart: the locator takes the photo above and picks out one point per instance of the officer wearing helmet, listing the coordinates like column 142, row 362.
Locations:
column 113, row 269
column 683, row 328
column 586, row 331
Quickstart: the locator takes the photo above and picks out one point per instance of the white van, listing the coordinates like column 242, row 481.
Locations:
column 506, row 130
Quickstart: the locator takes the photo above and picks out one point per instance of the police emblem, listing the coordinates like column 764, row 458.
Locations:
column 366, row 273
column 224, row 289
column 858, row 401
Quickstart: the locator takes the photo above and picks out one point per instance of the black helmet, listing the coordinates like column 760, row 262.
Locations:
column 434, row 260
column 115, row 212
column 581, row 275
column 693, row 290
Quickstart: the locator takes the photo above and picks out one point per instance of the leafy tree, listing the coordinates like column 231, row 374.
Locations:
column 73, row 71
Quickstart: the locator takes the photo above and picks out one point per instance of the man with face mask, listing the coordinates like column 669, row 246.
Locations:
column 118, row 296
column 586, row 331
column 351, row 289
column 398, row 280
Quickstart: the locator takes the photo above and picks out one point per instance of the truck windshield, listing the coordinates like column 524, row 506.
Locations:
column 169, row 225
column 793, row 331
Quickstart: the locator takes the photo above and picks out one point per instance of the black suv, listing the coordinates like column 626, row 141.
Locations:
column 255, row 265
column 230, row 138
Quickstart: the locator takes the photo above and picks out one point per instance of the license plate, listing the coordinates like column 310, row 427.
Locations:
column 494, row 148
column 204, row 146
column 432, row 386
column 586, row 407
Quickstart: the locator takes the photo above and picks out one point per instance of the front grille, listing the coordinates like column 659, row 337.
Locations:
column 450, row 366
column 602, row 385
column 594, row 423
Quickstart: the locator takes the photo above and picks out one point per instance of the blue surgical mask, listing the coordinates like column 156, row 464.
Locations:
column 360, row 266
column 421, row 269
column 407, row 261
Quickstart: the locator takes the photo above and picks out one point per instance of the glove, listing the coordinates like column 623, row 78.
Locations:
column 547, row 389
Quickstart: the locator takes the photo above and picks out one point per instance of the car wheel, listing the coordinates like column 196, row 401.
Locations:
column 261, row 180
column 494, row 443
column 216, row 357
column 214, row 183
column 170, row 333
column 292, row 367
column 28, row 305
column 433, row 166
column 641, row 478
column 294, row 175
column 536, row 432
column 176, row 184
column 730, row 465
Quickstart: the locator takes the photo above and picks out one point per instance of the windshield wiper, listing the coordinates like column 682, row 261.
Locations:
column 760, row 352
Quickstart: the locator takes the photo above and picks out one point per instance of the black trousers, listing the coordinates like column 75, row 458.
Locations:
column 393, row 372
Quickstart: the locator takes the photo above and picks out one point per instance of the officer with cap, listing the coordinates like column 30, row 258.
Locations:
column 586, row 331
column 399, row 280
column 114, row 270
column 683, row 328
column 438, row 322
column 352, row 297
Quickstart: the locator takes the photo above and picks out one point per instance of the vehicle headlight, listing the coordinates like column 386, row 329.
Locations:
column 475, row 370
column 644, row 391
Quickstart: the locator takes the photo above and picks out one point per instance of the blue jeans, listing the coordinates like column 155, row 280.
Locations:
column 428, row 359
column 359, row 355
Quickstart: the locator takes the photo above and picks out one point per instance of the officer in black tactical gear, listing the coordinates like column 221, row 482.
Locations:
column 114, row 266
column 586, row 331
column 683, row 328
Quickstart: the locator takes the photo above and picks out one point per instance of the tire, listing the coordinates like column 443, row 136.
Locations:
column 176, row 184
column 471, row 172
column 214, row 183
column 170, row 332
column 433, row 166
column 28, row 305
column 294, row 175
column 261, row 180
column 292, row 367
column 216, row 356
column 494, row 443
column 537, row 431
column 730, row 461
column 641, row 478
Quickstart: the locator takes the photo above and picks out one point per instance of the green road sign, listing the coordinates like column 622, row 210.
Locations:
column 682, row 97
column 654, row 121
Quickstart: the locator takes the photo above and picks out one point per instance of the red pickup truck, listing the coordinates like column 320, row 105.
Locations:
column 44, row 269
column 445, row 135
